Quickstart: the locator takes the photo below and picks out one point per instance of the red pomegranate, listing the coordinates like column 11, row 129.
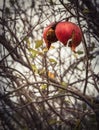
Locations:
column 66, row 31
column 49, row 35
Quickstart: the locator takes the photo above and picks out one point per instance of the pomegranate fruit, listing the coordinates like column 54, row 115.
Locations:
column 68, row 32
column 49, row 35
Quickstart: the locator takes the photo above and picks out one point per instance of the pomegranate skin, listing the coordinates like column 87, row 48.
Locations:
column 49, row 35
column 68, row 30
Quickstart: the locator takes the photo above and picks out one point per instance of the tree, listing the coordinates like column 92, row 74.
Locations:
column 48, row 90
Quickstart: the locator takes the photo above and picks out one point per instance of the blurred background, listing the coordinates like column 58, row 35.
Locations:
column 53, row 89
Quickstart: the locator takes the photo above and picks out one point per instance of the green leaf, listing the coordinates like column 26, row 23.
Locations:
column 27, row 41
column 45, row 50
column 77, row 127
column 42, row 71
column 25, row 128
column 64, row 84
column 80, row 69
column 52, row 60
column 79, row 52
column 53, row 121
column 34, row 68
column 33, row 52
column 52, row 47
column 61, row 91
column 38, row 43
column 67, row 101
column 86, row 11
column 52, row 2
column 43, row 87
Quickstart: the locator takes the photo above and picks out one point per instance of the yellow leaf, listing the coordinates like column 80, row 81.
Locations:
column 86, row 11
column 52, row 60
column 80, row 52
column 51, row 75
column 38, row 43
column 34, row 68
column 45, row 50
column 40, row 53
column 52, row 121
column 43, row 86
column 64, row 84
column 41, row 71
column 75, row 55
column 52, row 47
column 34, row 52
column 27, row 41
